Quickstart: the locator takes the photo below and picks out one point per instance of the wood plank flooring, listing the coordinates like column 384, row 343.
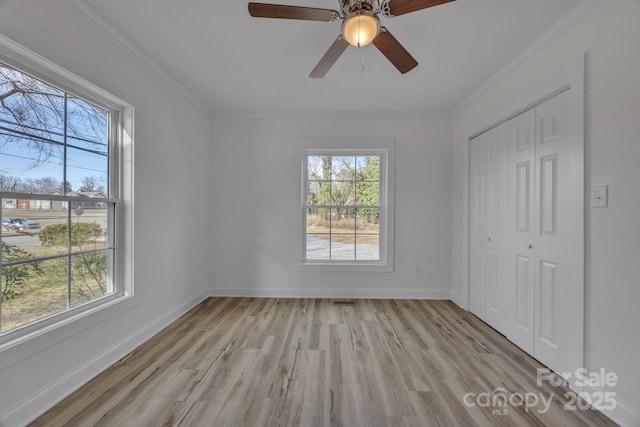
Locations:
column 310, row 362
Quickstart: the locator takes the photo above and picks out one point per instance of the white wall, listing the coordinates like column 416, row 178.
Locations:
column 172, row 201
column 610, row 36
column 256, row 200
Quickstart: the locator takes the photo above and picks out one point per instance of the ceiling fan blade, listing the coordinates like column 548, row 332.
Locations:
column 400, row 7
column 329, row 58
column 265, row 10
column 394, row 51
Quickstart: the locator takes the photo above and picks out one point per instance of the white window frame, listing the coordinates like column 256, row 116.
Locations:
column 27, row 340
column 348, row 147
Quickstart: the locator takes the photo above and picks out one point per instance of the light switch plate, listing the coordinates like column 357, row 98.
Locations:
column 600, row 196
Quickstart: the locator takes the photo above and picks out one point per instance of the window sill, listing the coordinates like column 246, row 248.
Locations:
column 24, row 346
column 345, row 267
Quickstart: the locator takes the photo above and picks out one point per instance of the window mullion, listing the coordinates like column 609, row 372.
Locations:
column 64, row 147
column 330, row 209
column 355, row 209
column 64, row 191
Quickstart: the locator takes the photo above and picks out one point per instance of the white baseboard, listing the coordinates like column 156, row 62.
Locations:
column 436, row 294
column 460, row 301
column 31, row 408
column 623, row 414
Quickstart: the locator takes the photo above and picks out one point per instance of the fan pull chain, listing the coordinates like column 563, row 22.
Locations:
column 362, row 60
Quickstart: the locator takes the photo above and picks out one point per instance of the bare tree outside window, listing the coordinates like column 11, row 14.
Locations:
column 46, row 133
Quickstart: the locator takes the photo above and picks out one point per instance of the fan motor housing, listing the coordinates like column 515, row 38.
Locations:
column 352, row 6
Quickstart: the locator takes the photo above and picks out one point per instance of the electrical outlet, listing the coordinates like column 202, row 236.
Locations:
column 174, row 285
column 418, row 271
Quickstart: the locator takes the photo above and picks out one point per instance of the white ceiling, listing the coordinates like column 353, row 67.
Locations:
column 232, row 63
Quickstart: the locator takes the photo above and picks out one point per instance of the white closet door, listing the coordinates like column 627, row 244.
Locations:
column 559, row 242
column 526, row 254
column 496, row 226
column 478, row 227
column 519, row 241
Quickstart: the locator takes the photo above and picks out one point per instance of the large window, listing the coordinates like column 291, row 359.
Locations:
column 59, row 197
column 347, row 211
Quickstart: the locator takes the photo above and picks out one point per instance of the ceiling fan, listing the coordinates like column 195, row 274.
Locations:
column 360, row 26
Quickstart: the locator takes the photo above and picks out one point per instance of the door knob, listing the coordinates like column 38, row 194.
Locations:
column 489, row 239
column 530, row 246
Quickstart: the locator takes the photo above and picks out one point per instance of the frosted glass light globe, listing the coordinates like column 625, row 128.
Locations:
column 360, row 28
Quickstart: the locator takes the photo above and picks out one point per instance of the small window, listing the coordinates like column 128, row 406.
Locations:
column 347, row 208
column 59, row 199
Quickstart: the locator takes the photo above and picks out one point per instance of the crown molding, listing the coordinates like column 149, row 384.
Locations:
column 574, row 16
column 331, row 115
column 90, row 15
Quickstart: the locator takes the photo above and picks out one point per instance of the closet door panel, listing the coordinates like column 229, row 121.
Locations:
column 478, row 227
column 497, row 155
column 558, row 246
column 519, row 268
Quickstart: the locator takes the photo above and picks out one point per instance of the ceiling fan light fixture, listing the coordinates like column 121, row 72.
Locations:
column 360, row 28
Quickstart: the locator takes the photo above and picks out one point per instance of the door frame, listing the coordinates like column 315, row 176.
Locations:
column 570, row 77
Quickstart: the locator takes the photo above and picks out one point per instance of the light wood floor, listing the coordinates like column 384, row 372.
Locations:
column 309, row 362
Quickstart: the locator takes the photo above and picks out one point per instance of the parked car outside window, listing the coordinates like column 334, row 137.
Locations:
column 24, row 224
